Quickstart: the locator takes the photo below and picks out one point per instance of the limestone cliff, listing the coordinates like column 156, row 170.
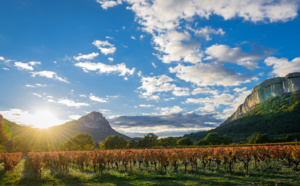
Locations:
column 266, row 90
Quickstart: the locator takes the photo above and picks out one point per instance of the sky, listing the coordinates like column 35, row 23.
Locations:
column 169, row 67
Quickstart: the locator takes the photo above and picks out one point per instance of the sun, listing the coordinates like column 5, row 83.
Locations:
column 45, row 119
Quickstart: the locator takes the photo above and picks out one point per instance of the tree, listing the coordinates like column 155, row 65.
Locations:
column 114, row 142
column 82, row 141
column 148, row 141
column 184, row 141
column 132, row 144
column 214, row 139
column 262, row 138
column 226, row 140
column 252, row 138
column 167, row 142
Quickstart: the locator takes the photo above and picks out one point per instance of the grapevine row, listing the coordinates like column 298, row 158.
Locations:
column 10, row 160
column 163, row 158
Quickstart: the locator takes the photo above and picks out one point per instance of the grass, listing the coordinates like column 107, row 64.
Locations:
column 263, row 175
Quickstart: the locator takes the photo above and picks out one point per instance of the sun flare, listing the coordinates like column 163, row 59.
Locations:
column 45, row 119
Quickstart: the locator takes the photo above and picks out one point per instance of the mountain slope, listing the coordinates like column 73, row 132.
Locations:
column 94, row 124
column 49, row 139
column 267, row 89
column 276, row 112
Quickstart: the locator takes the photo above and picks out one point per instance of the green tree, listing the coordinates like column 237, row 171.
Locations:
column 167, row 142
column 252, row 138
column 213, row 139
column 184, row 141
column 132, row 144
column 82, row 141
column 262, row 138
column 114, row 142
column 148, row 141
column 226, row 140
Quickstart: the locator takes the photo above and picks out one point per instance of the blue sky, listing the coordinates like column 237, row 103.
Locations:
column 168, row 67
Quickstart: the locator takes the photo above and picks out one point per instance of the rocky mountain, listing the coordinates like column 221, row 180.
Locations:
column 269, row 88
column 273, row 107
column 94, row 124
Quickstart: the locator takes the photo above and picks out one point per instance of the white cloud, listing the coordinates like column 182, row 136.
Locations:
column 97, row 99
column 207, row 108
column 108, row 37
column 36, row 85
column 176, row 46
column 48, row 74
column 1, row 58
column 210, row 74
column 168, row 110
column 153, row 64
column 163, row 20
column 71, row 103
column 86, row 56
column 180, row 91
column 282, row 66
column 156, row 84
column 105, row 4
column 105, row 47
column 23, row 66
column 205, row 32
column 240, row 89
column 224, row 53
column 5, row 68
column 33, row 63
column 146, row 106
column 142, row 37
column 111, row 59
column 205, row 90
column 132, row 37
column 103, row 68
column 37, row 95
column 82, row 95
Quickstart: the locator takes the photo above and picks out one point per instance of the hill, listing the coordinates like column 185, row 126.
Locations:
column 273, row 107
column 44, row 139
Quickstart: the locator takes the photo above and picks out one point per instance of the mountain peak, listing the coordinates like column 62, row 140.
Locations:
column 95, row 120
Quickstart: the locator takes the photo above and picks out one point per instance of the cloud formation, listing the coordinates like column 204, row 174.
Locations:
column 86, row 56
column 97, row 99
column 105, row 47
column 224, row 53
column 105, row 4
column 166, row 125
column 49, row 74
column 282, row 66
column 210, row 74
column 121, row 69
column 71, row 103
column 26, row 66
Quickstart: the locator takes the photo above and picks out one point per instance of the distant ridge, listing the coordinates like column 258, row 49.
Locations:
column 273, row 107
column 267, row 89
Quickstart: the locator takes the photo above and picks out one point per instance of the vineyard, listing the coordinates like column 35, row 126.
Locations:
column 242, row 161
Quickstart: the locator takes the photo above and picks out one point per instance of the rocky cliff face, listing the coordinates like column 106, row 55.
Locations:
column 94, row 124
column 266, row 90
column 95, row 120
